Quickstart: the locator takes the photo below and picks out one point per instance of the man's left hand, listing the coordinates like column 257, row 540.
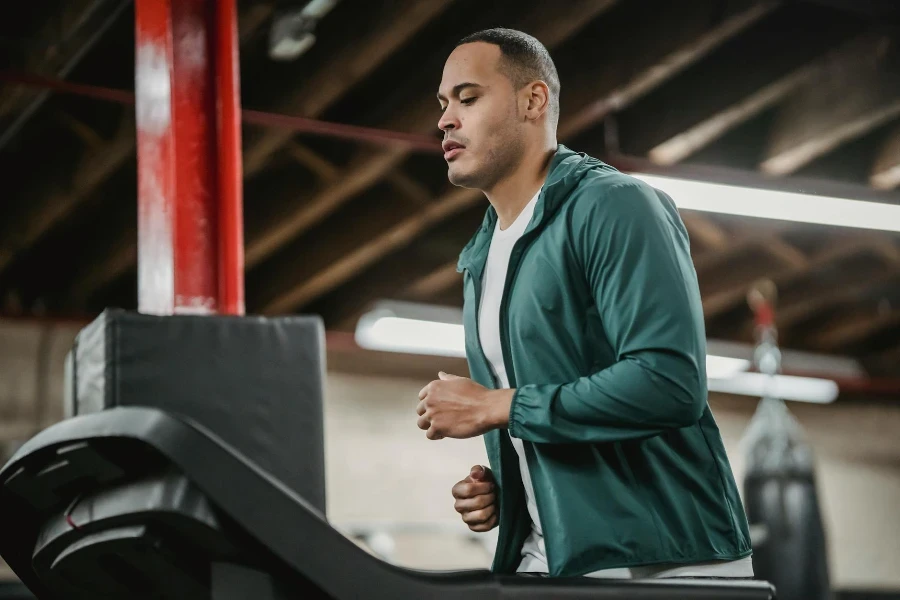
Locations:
column 457, row 407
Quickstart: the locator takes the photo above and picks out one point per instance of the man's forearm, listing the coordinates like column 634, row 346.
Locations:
column 622, row 402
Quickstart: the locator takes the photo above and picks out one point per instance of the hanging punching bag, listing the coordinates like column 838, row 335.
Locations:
column 780, row 496
column 782, row 506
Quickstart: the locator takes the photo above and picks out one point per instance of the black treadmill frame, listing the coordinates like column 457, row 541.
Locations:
column 295, row 533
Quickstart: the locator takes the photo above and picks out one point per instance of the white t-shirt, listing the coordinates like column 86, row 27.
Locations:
column 534, row 554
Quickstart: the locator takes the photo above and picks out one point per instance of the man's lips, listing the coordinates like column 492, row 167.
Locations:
column 451, row 149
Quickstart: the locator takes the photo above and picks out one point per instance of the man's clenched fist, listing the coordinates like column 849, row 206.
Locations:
column 476, row 499
column 457, row 407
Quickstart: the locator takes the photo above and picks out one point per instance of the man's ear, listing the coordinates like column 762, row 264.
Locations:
column 537, row 100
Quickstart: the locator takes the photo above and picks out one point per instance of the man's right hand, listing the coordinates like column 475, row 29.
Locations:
column 476, row 499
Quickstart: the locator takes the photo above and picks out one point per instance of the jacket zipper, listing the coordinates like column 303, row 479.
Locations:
column 512, row 272
column 504, row 522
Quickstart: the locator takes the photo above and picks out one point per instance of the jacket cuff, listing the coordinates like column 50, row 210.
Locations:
column 518, row 409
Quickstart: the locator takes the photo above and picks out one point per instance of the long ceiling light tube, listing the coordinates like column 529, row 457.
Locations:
column 438, row 331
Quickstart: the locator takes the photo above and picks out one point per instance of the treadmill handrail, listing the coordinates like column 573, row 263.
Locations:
column 309, row 544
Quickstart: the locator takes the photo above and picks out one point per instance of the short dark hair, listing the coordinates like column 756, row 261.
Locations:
column 525, row 59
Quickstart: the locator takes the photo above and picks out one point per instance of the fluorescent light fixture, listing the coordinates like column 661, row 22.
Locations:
column 292, row 31
column 792, row 361
column 785, row 387
column 286, row 48
column 721, row 367
column 776, row 204
column 395, row 334
column 412, row 328
column 438, row 331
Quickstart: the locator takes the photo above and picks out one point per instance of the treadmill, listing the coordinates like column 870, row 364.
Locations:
column 191, row 466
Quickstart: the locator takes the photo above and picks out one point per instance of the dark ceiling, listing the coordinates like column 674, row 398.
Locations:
column 795, row 95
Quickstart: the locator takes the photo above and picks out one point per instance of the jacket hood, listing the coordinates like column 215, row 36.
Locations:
column 567, row 168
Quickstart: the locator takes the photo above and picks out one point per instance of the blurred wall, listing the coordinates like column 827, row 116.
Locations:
column 31, row 376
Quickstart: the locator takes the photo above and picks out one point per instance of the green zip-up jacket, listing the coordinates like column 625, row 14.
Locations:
column 604, row 342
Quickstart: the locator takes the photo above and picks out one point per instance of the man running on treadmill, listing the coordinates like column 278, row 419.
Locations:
column 586, row 345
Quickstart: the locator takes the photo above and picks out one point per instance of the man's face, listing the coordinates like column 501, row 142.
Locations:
column 482, row 136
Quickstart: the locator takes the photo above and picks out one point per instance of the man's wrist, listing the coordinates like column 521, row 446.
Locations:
column 497, row 405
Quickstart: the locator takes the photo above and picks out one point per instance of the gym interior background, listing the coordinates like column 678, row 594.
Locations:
column 346, row 204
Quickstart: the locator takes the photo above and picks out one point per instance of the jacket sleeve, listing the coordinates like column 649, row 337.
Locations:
column 634, row 252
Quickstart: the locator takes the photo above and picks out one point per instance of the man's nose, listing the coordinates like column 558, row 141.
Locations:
column 448, row 121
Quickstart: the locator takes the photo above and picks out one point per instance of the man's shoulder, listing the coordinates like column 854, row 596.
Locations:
column 609, row 191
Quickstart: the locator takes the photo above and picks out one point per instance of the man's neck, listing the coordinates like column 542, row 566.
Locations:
column 510, row 195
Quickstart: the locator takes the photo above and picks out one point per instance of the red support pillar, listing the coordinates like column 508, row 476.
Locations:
column 187, row 102
column 231, row 216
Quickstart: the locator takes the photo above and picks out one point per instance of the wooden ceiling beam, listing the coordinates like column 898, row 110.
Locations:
column 302, row 213
column 802, row 302
column 64, row 34
column 323, row 168
column 700, row 228
column 394, row 278
column 544, row 21
column 748, row 241
column 87, row 134
column 118, row 258
column 816, row 301
column 352, row 261
column 386, row 278
column 886, row 170
column 844, row 331
column 699, row 135
column 857, row 91
column 327, row 171
column 409, row 188
column 666, row 58
column 384, row 281
column 434, row 284
column 739, row 95
column 251, row 19
column 604, row 87
column 94, row 167
column 393, row 26
column 884, row 363
column 719, row 302
column 787, row 254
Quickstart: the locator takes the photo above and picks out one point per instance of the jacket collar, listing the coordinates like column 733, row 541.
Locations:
column 566, row 168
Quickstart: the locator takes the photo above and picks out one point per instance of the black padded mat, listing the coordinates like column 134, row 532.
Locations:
column 256, row 382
